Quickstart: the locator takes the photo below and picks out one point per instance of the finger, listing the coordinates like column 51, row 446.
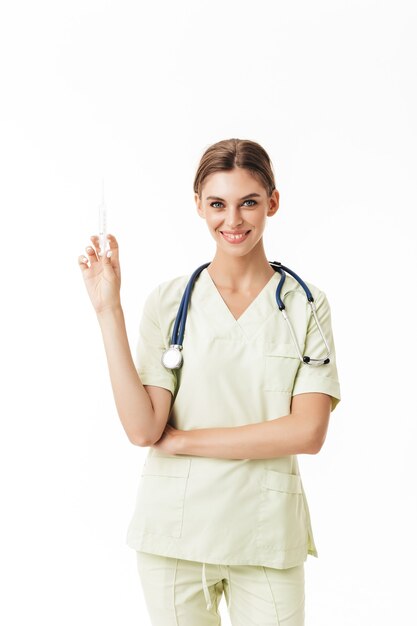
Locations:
column 92, row 252
column 114, row 249
column 92, row 256
column 83, row 262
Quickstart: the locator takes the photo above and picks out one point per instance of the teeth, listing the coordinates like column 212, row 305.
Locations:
column 234, row 236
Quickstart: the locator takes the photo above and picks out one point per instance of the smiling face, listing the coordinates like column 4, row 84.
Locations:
column 235, row 206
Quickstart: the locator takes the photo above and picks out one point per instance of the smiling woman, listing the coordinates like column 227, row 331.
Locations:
column 236, row 219
column 233, row 217
column 220, row 503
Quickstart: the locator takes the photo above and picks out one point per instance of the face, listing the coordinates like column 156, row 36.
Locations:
column 235, row 206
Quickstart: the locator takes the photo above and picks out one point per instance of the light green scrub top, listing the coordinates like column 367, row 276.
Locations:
column 235, row 372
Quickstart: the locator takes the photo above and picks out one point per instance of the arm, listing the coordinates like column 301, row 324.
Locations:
column 142, row 411
column 302, row 431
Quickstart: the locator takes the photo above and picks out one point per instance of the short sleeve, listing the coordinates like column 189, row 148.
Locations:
column 319, row 378
column 150, row 346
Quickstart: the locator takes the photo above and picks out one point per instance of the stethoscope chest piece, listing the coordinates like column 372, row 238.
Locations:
column 172, row 357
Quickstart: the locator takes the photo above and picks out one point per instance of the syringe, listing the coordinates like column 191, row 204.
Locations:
column 102, row 225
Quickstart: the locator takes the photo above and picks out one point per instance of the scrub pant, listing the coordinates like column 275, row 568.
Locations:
column 181, row 592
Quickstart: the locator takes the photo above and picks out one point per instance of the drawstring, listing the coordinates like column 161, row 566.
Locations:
column 205, row 588
column 230, row 589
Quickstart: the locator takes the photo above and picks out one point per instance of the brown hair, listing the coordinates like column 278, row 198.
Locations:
column 230, row 153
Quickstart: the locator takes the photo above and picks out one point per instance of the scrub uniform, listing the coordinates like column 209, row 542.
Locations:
column 229, row 512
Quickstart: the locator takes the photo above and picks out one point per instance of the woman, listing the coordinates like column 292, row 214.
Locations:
column 220, row 505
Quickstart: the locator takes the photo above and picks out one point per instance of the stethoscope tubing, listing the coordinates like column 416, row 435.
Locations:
column 180, row 320
column 278, row 267
column 179, row 326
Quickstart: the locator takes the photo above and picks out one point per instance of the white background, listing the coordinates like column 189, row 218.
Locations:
column 134, row 93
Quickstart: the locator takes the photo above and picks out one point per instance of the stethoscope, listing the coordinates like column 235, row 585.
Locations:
column 172, row 357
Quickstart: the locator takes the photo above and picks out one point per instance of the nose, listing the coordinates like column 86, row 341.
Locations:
column 233, row 217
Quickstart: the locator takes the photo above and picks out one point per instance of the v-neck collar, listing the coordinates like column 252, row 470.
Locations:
column 256, row 313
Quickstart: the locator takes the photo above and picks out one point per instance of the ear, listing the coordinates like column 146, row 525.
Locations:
column 200, row 210
column 273, row 203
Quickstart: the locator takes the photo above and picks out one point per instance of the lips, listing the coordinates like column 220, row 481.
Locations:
column 235, row 237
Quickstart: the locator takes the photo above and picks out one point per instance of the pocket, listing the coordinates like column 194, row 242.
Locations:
column 282, row 521
column 161, row 495
column 281, row 365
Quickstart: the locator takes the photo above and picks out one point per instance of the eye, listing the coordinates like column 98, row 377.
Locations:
column 212, row 203
column 254, row 202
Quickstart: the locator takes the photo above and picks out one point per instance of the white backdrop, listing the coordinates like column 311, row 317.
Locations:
column 134, row 93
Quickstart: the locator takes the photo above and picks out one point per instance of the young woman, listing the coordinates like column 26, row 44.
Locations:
column 221, row 505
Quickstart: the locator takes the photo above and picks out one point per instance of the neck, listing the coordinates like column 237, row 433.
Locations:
column 241, row 273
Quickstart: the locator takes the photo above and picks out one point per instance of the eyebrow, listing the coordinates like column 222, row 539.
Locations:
column 249, row 195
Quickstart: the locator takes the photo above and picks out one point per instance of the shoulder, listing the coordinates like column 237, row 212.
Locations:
column 292, row 285
column 168, row 292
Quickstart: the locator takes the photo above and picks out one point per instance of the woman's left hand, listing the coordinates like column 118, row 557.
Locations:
column 169, row 441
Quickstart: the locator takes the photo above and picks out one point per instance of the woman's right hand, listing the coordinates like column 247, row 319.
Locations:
column 102, row 277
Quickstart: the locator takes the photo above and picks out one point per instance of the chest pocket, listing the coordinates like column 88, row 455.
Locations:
column 161, row 495
column 281, row 363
